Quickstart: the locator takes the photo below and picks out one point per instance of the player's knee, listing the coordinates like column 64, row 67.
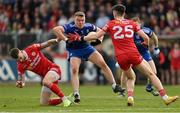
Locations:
column 74, row 70
column 46, row 82
column 131, row 77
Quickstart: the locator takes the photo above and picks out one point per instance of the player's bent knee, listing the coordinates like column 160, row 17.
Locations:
column 74, row 70
column 131, row 77
column 46, row 82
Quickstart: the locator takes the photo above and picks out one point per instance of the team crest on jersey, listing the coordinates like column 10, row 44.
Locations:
column 33, row 54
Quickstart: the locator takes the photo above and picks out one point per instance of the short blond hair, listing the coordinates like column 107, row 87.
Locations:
column 79, row 13
column 136, row 19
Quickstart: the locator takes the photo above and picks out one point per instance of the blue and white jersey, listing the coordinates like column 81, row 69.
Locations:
column 138, row 40
column 71, row 28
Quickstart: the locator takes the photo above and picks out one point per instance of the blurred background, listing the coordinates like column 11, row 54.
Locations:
column 23, row 22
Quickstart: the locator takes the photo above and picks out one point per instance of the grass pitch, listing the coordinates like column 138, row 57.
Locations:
column 93, row 99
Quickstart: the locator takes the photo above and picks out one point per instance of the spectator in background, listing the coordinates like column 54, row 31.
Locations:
column 51, row 23
column 165, row 64
column 62, row 20
column 4, row 20
column 44, row 15
column 102, row 20
column 160, row 15
column 175, row 64
column 27, row 23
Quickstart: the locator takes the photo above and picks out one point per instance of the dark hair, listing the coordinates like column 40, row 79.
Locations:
column 119, row 8
column 79, row 13
column 14, row 53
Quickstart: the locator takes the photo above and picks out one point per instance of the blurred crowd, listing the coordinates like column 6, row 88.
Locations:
column 36, row 16
column 40, row 16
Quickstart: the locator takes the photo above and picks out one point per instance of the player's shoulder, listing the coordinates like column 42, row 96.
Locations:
column 111, row 22
column 146, row 29
column 69, row 25
column 123, row 21
column 88, row 25
column 33, row 46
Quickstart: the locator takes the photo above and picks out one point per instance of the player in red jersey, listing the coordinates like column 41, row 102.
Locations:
column 32, row 59
column 122, row 31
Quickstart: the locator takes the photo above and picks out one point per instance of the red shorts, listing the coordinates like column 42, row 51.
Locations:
column 129, row 59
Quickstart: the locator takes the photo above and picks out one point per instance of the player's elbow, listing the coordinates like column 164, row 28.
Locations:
column 57, row 30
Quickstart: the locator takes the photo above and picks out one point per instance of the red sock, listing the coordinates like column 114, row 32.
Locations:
column 55, row 101
column 54, row 88
column 162, row 92
column 130, row 93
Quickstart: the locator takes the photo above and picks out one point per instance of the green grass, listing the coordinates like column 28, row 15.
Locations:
column 93, row 99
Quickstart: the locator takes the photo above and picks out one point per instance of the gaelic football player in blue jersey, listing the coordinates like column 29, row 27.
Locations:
column 82, row 50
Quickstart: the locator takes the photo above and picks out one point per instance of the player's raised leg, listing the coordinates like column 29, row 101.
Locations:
column 75, row 63
column 97, row 59
column 49, row 80
column 146, row 70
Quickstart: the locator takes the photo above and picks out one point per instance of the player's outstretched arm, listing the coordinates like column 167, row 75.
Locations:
column 155, row 39
column 93, row 36
column 102, row 37
column 49, row 43
column 97, row 41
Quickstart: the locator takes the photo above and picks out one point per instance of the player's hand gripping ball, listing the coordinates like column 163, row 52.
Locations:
column 96, row 41
column 20, row 84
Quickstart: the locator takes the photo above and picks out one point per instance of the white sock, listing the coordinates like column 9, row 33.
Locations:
column 114, row 85
column 165, row 97
column 130, row 97
column 76, row 92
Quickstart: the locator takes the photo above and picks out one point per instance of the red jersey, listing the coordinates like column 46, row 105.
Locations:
column 36, row 62
column 122, row 34
column 175, row 59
